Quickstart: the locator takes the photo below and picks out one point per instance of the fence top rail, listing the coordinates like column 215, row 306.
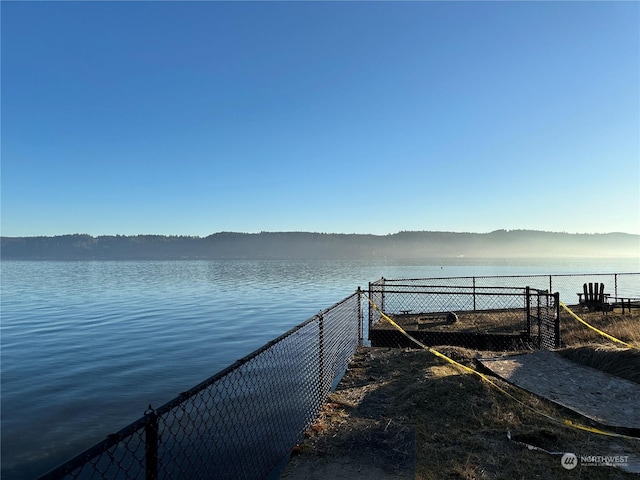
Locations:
column 540, row 275
column 457, row 287
column 477, row 294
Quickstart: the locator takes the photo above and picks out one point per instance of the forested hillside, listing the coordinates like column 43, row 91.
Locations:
column 500, row 243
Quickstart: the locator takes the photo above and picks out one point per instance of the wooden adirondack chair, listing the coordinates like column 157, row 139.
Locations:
column 594, row 297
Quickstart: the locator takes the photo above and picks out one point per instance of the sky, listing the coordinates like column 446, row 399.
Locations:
column 190, row 118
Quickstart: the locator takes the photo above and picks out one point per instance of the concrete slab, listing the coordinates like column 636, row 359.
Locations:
column 604, row 398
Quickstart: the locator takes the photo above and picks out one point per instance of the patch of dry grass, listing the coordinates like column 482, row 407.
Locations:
column 625, row 327
column 462, row 435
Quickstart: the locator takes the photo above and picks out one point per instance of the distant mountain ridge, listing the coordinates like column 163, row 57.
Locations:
column 306, row 245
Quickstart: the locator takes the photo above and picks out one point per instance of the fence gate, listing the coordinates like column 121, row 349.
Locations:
column 543, row 317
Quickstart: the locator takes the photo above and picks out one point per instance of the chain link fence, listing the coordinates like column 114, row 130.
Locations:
column 542, row 311
column 242, row 422
column 617, row 285
column 486, row 313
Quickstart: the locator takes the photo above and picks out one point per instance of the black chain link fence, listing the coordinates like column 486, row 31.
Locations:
column 542, row 310
column 485, row 313
column 242, row 422
column 617, row 285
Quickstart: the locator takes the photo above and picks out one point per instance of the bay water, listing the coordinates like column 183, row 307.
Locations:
column 86, row 347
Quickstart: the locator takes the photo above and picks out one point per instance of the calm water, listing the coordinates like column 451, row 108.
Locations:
column 87, row 346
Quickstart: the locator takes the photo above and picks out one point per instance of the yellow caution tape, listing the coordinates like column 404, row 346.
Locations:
column 606, row 335
column 568, row 423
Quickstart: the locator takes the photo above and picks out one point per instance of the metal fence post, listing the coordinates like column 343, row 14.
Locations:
column 474, row 293
column 151, row 444
column 360, row 318
column 539, row 316
column 556, row 298
column 320, row 357
column 370, row 314
column 527, row 306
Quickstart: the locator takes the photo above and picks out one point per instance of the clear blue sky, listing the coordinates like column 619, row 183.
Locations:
column 194, row 118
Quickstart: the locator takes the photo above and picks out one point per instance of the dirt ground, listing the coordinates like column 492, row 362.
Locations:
column 359, row 433
column 407, row 414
